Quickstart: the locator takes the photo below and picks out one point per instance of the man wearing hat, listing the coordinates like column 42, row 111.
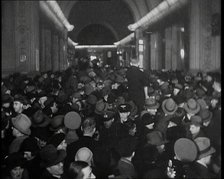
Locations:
column 52, row 162
column 18, row 103
column 88, row 128
column 21, row 130
column 199, row 168
column 121, row 130
column 107, row 131
column 137, row 84
column 195, row 127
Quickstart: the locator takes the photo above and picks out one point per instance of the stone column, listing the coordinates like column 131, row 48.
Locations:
column 55, row 52
column 26, row 36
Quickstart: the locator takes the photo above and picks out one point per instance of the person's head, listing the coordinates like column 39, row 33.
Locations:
column 80, row 170
column 124, row 112
column 15, row 164
column 84, row 154
column 205, row 149
column 131, row 127
column 89, row 126
column 195, row 124
column 52, row 159
column 108, row 119
column 151, row 105
column 18, row 103
column 21, row 125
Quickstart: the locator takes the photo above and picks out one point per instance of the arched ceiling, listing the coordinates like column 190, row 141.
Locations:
column 79, row 14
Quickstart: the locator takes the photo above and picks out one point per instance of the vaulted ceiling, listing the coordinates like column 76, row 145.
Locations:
column 105, row 20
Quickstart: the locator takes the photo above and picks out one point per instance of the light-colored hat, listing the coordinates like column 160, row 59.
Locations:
column 22, row 123
column 84, row 154
column 204, row 147
column 72, row 120
column 185, row 149
column 169, row 106
column 192, row 106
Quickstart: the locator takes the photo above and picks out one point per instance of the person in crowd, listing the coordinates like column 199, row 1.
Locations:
column 137, row 84
column 52, row 162
column 196, row 127
column 126, row 149
column 80, row 170
column 21, row 130
column 200, row 168
column 88, row 127
column 15, row 167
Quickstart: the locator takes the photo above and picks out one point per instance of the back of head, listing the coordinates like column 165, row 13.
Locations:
column 75, row 169
column 89, row 125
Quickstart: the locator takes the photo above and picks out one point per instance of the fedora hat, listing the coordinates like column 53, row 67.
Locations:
column 169, row 106
column 196, row 120
column 206, row 115
column 204, row 147
column 84, row 154
column 56, row 123
column 192, row 106
column 185, row 150
column 202, row 103
column 39, row 119
column 155, row 138
column 51, row 156
column 151, row 103
column 72, row 120
column 22, row 123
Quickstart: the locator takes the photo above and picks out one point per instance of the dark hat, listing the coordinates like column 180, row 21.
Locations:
column 51, row 156
column 192, row 106
column 151, row 103
column 41, row 94
column 146, row 118
column 204, row 147
column 188, row 93
column 178, row 86
column 76, row 95
column 155, row 138
column 72, row 120
column 20, row 98
column 124, row 108
column 169, row 106
column 29, row 144
column 185, row 150
column 56, row 139
column 56, row 123
column 180, row 112
column 206, row 115
column 6, row 98
column 101, row 107
column 14, row 160
column 39, row 119
column 62, row 97
column 196, row 120
column 108, row 115
column 91, row 99
column 200, row 92
column 22, row 123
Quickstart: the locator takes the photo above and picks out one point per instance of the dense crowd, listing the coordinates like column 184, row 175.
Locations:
column 95, row 121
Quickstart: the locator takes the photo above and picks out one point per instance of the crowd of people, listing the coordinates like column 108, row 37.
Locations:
column 97, row 121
